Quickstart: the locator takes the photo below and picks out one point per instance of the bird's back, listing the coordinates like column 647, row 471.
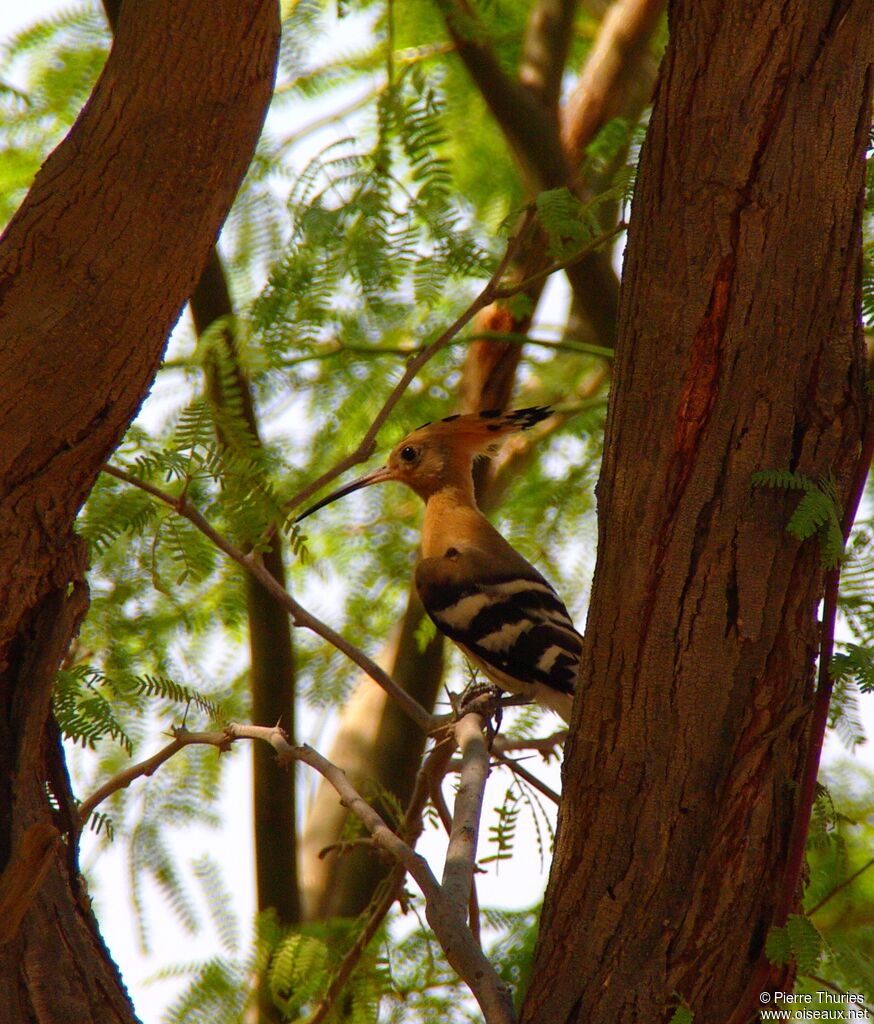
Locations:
column 503, row 614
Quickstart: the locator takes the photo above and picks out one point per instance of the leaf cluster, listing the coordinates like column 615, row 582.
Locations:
column 818, row 514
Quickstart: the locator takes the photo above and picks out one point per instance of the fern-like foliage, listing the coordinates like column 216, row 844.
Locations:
column 818, row 514
column 798, row 940
column 57, row 61
column 83, row 711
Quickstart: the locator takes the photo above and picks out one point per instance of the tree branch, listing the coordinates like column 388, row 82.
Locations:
column 368, row 442
column 529, row 777
column 524, row 122
column 602, row 90
column 545, row 48
column 450, row 927
column 840, row 888
column 433, row 769
column 441, row 901
column 571, row 261
column 461, row 852
column 181, row 738
column 299, row 615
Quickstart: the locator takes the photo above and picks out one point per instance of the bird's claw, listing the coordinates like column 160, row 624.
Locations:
column 482, row 698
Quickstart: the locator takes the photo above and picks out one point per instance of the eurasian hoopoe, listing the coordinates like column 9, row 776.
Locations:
column 476, row 588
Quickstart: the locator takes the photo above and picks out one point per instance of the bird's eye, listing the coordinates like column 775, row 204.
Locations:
column 409, row 453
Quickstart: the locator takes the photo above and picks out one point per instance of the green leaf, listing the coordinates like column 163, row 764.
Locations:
column 804, row 941
column 778, row 948
column 682, row 1014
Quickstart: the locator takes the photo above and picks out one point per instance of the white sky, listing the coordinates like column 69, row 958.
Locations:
column 517, row 883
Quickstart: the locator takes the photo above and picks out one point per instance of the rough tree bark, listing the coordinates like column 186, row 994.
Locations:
column 739, row 349
column 94, row 270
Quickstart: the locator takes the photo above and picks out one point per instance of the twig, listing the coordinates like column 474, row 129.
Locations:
column 328, row 119
column 531, row 779
column 839, row 888
column 581, row 347
column 405, row 351
column 181, row 738
column 433, row 769
column 525, row 122
column 543, row 744
column 299, row 615
column 440, row 805
column 368, row 442
column 450, row 927
column 441, row 910
column 553, row 268
column 832, row 987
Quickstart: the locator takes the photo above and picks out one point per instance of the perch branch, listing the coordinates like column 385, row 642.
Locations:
column 181, row 738
column 441, row 909
column 299, row 615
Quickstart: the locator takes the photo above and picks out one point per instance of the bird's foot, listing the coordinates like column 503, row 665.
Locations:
column 482, row 698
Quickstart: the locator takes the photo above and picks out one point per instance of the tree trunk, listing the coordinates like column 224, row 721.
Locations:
column 739, row 350
column 94, row 270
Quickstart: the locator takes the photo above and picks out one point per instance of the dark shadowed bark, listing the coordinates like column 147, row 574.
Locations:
column 94, row 269
column 739, row 349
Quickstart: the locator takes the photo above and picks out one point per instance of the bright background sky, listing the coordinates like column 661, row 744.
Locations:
column 515, row 884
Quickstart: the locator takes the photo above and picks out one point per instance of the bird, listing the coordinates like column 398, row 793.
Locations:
column 477, row 589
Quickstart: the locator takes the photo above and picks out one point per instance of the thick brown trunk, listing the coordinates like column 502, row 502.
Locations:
column 94, row 269
column 739, row 350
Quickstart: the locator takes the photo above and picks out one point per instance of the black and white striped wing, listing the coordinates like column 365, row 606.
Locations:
column 516, row 628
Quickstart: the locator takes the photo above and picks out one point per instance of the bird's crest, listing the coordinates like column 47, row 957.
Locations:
column 481, row 433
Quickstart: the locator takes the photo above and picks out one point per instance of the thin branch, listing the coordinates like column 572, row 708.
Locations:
column 545, row 745
column 181, row 738
column 490, row 293
column 368, row 442
column 299, row 615
column 531, row 779
column 432, row 771
column 328, row 119
column 832, row 987
column 840, row 888
column 525, row 123
column 581, row 347
column 450, row 927
column 406, row 351
column 553, row 268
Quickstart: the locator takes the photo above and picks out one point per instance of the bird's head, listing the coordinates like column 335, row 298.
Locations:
column 441, row 454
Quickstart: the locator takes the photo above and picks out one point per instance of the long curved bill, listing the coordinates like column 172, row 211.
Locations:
column 378, row 476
